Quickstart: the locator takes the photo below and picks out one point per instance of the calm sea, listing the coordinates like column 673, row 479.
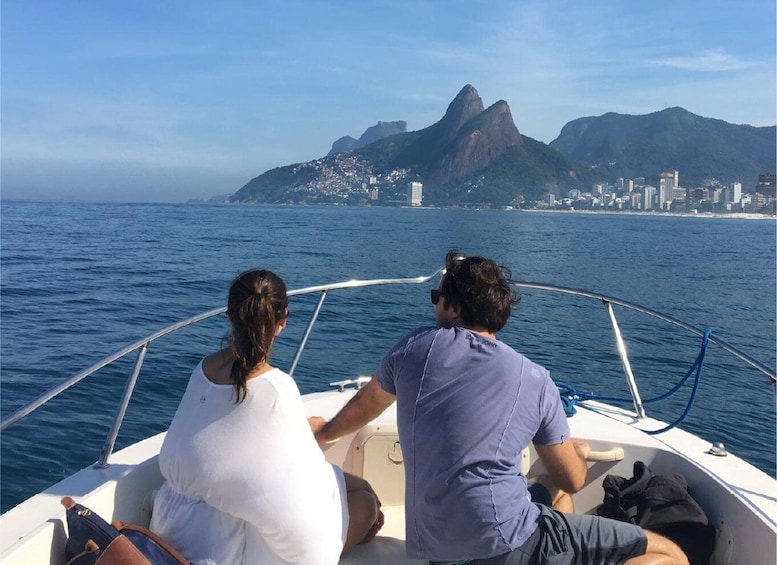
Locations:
column 79, row 281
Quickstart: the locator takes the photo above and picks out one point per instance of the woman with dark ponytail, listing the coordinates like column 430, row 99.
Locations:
column 245, row 479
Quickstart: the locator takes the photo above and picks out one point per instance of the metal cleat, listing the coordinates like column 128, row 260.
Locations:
column 358, row 381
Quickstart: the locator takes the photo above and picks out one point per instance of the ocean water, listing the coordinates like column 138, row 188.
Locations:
column 79, row 281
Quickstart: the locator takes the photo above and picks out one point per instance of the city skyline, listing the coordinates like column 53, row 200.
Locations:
column 670, row 195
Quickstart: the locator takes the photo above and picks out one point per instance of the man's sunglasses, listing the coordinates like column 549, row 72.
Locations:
column 436, row 295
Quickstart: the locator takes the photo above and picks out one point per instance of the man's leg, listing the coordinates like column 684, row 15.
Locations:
column 559, row 499
column 582, row 538
column 575, row 538
column 660, row 551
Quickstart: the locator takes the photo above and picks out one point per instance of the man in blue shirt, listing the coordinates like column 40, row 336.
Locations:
column 467, row 404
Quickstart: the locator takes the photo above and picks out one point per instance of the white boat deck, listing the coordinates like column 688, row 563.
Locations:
column 729, row 489
column 739, row 499
column 388, row 548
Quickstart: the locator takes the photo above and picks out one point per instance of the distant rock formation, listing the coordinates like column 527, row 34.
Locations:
column 477, row 143
column 370, row 135
column 476, row 156
column 471, row 156
column 628, row 146
column 432, row 141
column 345, row 143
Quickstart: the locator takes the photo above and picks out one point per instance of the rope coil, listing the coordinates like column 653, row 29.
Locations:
column 570, row 396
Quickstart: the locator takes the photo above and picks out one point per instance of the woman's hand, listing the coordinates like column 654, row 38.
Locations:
column 316, row 423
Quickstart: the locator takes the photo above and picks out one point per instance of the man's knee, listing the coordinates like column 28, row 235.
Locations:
column 660, row 547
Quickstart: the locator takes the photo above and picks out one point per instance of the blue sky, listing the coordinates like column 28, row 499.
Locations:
column 179, row 99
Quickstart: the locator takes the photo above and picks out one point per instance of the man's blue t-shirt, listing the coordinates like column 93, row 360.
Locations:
column 466, row 407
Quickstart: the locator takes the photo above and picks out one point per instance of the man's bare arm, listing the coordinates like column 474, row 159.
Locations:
column 565, row 463
column 366, row 405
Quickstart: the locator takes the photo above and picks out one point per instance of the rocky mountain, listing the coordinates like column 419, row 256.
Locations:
column 673, row 139
column 470, row 156
column 370, row 135
column 463, row 142
column 345, row 143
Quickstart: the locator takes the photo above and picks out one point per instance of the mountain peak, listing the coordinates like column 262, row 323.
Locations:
column 467, row 94
column 478, row 142
column 462, row 109
column 370, row 135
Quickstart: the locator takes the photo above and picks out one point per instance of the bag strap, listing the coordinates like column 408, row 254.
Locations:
column 90, row 547
column 123, row 528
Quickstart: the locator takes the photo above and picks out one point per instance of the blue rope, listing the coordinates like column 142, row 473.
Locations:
column 571, row 396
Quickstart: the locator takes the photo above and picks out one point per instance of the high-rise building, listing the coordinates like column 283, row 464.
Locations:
column 666, row 184
column 767, row 185
column 678, row 194
column 625, row 185
column 415, row 193
column 648, row 194
column 734, row 193
column 701, row 194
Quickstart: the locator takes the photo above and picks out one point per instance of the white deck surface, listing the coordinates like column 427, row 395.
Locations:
column 738, row 498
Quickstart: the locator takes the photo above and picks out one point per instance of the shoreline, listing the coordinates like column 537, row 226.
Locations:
column 739, row 215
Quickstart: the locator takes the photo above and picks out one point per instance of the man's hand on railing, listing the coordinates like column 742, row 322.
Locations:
column 582, row 448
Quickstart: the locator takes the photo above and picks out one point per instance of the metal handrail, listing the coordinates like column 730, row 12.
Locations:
column 146, row 341
column 655, row 314
column 632, row 382
column 142, row 345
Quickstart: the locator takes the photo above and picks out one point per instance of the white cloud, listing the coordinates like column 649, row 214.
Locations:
column 712, row 60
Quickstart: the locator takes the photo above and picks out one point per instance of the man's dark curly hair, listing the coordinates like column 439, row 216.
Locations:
column 479, row 288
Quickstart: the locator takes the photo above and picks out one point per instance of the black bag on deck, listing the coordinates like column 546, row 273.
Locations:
column 662, row 504
column 93, row 541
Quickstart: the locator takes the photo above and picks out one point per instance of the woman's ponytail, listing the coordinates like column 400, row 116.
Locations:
column 257, row 303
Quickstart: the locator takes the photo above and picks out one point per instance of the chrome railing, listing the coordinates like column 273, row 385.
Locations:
column 655, row 314
column 141, row 347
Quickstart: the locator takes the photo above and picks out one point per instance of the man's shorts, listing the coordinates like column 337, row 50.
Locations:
column 575, row 539
column 572, row 539
column 539, row 494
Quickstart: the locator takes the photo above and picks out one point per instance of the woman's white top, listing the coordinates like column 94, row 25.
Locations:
column 247, row 483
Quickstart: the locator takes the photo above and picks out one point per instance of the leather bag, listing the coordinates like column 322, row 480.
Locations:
column 93, row 541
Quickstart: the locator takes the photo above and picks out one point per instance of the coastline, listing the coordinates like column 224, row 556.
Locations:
column 739, row 215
